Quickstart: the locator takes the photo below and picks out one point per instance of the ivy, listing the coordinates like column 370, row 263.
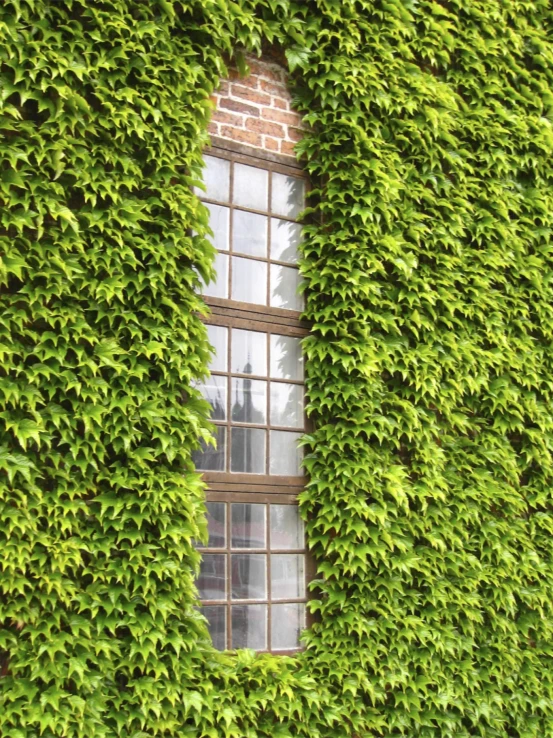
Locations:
column 429, row 288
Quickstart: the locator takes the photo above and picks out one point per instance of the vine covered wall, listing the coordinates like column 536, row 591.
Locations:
column 429, row 274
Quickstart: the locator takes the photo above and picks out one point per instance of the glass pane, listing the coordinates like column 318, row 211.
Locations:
column 219, row 224
column 212, row 580
column 216, row 616
column 249, row 281
column 216, row 177
column 287, row 576
column 285, row 283
column 249, row 626
column 219, row 287
column 208, row 458
column 217, row 335
column 215, row 392
column 248, row 576
column 288, row 195
column 216, row 524
column 247, row 450
column 251, row 187
column 248, row 525
column 287, row 404
column 286, row 357
column 286, row 457
column 249, row 352
column 249, row 233
column 287, row 622
column 286, row 527
column 249, row 401
column 285, row 239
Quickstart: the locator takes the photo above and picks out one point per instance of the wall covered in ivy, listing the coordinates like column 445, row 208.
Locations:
column 430, row 369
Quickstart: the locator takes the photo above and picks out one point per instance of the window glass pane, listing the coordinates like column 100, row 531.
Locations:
column 216, row 524
column 217, row 335
column 285, row 239
column 249, row 626
column 251, row 187
column 208, row 458
column 248, row 525
column 287, row 404
column 212, row 581
column 286, row 527
column 287, row 576
column 286, row 457
column 288, row 195
column 285, row 283
column 216, row 177
column 215, row 392
column 247, row 450
column 286, row 357
column 248, row 576
column 219, row 224
column 249, row 233
column 249, row 401
column 249, row 352
column 217, row 625
column 219, row 287
column 249, row 281
column 287, row 622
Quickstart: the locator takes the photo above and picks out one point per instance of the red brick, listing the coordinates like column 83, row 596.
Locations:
column 231, row 118
column 271, row 72
column 274, row 89
column 239, row 107
column 261, row 126
column 248, row 137
column 254, row 96
column 287, row 148
column 213, row 128
column 223, row 89
column 295, row 134
column 271, row 144
column 214, row 100
column 279, row 102
column 291, row 119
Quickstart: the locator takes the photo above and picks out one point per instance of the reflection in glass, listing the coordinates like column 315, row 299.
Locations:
column 287, row 404
column 217, row 336
column 249, row 401
column 249, row 626
column 249, row 233
column 219, row 287
column 212, row 580
column 247, row 525
column 285, row 283
column 216, row 177
column 288, row 195
column 251, row 187
column 286, row 527
column 248, row 576
column 207, row 458
column 247, row 450
column 287, row 622
column 286, row 456
column 285, row 239
column 219, row 224
column 216, row 616
column 249, row 352
column 214, row 390
column 216, row 524
column 287, row 576
column 286, row 357
column 249, row 281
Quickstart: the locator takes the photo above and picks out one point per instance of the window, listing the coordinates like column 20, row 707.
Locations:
column 254, row 568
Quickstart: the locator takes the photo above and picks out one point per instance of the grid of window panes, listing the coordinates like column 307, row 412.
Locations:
column 252, row 212
column 252, row 576
column 256, row 394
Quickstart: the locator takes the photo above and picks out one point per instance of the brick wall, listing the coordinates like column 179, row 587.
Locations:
column 256, row 110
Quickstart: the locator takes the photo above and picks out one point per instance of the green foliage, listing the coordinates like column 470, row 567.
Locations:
column 430, row 286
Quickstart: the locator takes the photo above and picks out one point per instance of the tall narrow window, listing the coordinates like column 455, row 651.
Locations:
column 252, row 582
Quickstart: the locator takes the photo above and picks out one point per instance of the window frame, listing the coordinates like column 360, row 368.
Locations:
column 236, row 487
